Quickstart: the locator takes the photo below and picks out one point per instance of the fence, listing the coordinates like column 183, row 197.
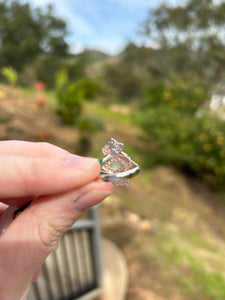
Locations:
column 74, row 270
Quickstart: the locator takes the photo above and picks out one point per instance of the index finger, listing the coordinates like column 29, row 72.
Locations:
column 31, row 176
column 31, row 149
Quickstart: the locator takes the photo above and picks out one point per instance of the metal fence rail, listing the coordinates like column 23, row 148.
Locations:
column 75, row 268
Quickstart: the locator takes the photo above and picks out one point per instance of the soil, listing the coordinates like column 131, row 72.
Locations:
column 24, row 118
column 162, row 195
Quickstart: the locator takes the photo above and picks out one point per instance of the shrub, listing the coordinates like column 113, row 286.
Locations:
column 69, row 103
column 70, row 96
column 185, row 97
column 179, row 136
column 10, row 74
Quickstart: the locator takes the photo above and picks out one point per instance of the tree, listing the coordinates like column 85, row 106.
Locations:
column 191, row 36
column 126, row 74
column 188, row 50
column 26, row 33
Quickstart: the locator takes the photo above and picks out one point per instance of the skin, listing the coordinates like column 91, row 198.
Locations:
column 62, row 185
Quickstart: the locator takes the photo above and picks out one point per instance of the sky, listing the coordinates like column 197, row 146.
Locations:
column 106, row 25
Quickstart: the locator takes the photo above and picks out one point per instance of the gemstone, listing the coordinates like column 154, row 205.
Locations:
column 116, row 165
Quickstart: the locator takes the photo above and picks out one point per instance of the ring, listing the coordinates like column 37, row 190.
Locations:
column 116, row 165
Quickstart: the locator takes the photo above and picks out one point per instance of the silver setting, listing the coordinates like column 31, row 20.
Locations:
column 117, row 166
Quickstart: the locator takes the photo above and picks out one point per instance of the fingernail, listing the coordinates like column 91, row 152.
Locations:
column 90, row 198
column 80, row 162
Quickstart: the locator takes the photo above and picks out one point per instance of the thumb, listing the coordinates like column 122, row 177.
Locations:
column 36, row 231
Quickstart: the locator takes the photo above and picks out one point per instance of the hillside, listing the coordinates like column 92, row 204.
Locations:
column 170, row 227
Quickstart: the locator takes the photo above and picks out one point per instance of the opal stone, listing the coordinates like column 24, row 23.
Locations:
column 116, row 165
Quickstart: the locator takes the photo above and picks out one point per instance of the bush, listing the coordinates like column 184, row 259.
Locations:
column 70, row 96
column 88, row 88
column 185, row 97
column 179, row 136
column 10, row 74
column 70, row 103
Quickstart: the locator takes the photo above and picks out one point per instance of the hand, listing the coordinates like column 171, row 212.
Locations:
column 62, row 185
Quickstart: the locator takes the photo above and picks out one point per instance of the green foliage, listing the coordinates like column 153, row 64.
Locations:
column 126, row 76
column 189, row 37
column 62, row 78
column 122, row 78
column 89, row 125
column 89, row 88
column 71, row 97
column 25, row 33
column 187, row 63
column 70, row 106
column 69, row 103
column 10, row 74
column 179, row 95
column 178, row 136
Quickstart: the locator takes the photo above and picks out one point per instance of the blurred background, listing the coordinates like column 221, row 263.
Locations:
column 150, row 74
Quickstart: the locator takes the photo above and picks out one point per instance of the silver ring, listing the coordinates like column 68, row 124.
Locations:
column 117, row 166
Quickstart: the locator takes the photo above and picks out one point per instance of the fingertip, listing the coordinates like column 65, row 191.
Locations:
column 96, row 193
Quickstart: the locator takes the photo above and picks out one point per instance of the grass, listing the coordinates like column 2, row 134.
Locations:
column 200, row 242
column 177, row 257
column 106, row 113
column 200, row 282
